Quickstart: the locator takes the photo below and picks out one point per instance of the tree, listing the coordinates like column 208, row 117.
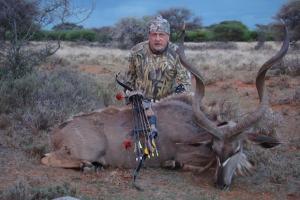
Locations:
column 290, row 13
column 264, row 33
column 19, row 21
column 130, row 31
column 67, row 26
column 104, row 34
column 178, row 16
column 230, row 31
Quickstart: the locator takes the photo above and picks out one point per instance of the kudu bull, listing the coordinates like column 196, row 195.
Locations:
column 98, row 136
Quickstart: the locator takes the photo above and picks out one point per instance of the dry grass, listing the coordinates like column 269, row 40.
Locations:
column 22, row 190
column 215, row 61
column 93, row 55
column 229, row 71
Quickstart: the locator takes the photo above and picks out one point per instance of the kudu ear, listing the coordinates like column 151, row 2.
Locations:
column 263, row 140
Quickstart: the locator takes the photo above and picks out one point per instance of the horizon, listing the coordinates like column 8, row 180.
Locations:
column 108, row 13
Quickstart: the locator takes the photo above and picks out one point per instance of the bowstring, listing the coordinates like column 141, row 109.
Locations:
column 140, row 115
column 136, row 129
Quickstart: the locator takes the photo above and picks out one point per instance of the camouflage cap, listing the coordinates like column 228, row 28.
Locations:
column 159, row 24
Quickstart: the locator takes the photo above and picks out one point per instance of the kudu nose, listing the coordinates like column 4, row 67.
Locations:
column 223, row 186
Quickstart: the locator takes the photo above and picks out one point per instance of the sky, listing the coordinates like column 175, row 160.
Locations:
column 250, row 12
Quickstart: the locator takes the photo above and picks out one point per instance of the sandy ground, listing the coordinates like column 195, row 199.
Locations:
column 169, row 184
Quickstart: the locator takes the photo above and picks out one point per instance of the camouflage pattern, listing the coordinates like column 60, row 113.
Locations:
column 159, row 24
column 156, row 75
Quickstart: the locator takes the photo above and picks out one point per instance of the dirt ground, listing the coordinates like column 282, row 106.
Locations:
column 170, row 184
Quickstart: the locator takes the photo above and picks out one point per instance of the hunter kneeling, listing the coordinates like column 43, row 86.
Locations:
column 155, row 68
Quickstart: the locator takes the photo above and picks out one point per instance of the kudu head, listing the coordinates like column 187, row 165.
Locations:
column 227, row 138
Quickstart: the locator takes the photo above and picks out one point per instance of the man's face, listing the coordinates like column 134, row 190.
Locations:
column 158, row 41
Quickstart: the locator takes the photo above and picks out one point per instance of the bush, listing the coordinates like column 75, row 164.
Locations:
column 31, row 105
column 43, row 99
column 104, row 34
column 230, row 31
column 55, row 35
column 81, row 35
column 290, row 12
column 39, row 36
column 253, row 35
column 23, row 191
column 198, row 36
column 88, row 35
column 69, row 35
column 130, row 31
column 73, row 35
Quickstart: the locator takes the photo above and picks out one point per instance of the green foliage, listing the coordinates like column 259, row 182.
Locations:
column 73, row 35
column 55, row 35
column 38, row 35
column 225, row 31
column 198, row 35
column 88, row 35
column 130, row 31
column 253, row 35
column 66, row 35
column 78, row 35
column 230, row 31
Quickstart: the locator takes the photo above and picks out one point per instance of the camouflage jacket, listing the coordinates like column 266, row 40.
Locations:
column 157, row 76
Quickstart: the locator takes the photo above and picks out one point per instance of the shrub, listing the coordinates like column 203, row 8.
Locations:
column 274, row 166
column 198, row 36
column 43, row 99
column 130, row 31
column 290, row 12
column 19, row 191
column 40, row 100
column 88, row 35
column 55, row 35
column 230, row 31
column 73, row 35
column 69, row 35
column 289, row 65
column 39, row 36
column 67, row 26
column 23, row 191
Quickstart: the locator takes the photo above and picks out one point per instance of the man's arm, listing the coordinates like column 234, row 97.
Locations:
column 131, row 74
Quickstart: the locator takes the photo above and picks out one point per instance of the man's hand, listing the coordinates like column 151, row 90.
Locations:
column 180, row 89
column 134, row 92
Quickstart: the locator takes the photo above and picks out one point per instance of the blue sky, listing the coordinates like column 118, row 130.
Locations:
column 250, row 12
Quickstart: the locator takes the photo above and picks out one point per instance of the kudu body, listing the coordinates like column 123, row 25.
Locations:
column 99, row 136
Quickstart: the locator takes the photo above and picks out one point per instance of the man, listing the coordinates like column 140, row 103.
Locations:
column 155, row 69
